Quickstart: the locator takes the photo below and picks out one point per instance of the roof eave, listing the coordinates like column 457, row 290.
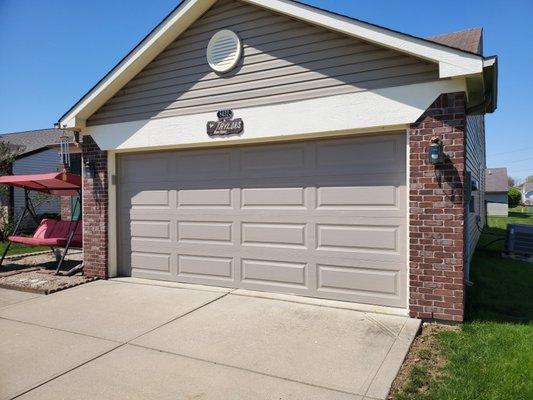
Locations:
column 490, row 77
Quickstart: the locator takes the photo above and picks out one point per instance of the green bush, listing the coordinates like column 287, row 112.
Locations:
column 514, row 197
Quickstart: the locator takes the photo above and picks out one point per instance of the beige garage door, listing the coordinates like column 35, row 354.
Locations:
column 317, row 218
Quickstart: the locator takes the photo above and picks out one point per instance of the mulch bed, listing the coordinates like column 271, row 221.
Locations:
column 36, row 273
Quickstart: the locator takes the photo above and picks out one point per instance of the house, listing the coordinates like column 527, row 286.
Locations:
column 274, row 146
column 496, row 187
column 527, row 193
column 34, row 155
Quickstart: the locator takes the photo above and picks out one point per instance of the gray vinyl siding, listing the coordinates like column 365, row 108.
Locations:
column 476, row 165
column 284, row 60
column 37, row 163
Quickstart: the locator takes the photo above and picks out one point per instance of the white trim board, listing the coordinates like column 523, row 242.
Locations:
column 367, row 111
column 452, row 62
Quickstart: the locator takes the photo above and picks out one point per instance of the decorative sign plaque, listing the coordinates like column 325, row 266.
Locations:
column 226, row 124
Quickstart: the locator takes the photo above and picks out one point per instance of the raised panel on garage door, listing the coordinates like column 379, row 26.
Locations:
column 322, row 218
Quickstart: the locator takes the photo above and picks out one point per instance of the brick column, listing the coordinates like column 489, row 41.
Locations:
column 64, row 202
column 95, row 201
column 437, row 212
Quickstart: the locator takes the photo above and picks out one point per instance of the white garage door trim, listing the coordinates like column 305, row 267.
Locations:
column 254, row 265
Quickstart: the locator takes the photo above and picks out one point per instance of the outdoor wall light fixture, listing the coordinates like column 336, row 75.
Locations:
column 436, row 151
column 88, row 169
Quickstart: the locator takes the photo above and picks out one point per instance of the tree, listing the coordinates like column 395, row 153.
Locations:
column 8, row 155
column 529, row 179
column 514, row 197
column 511, row 181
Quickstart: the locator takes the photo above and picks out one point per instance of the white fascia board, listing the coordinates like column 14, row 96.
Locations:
column 146, row 51
column 368, row 111
column 452, row 62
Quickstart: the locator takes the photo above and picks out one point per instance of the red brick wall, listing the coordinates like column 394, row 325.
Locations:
column 64, row 203
column 95, row 200
column 437, row 212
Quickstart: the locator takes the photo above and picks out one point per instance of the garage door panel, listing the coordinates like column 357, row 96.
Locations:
column 207, row 267
column 317, row 218
column 151, row 198
column 151, row 261
column 204, row 232
column 151, row 229
column 271, row 159
column 269, row 272
column 282, row 197
column 209, row 198
column 209, row 164
column 357, row 238
column 380, row 153
column 144, row 167
column 274, row 234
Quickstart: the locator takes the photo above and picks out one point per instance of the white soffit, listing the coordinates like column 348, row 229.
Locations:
column 451, row 62
column 369, row 110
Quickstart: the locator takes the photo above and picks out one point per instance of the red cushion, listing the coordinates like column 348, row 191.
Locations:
column 51, row 232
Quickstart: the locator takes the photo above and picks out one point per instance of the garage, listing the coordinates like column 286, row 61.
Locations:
column 319, row 218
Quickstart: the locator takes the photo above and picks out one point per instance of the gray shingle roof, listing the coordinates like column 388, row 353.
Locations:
column 29, row 141
column 469, row 40
column 496, row 180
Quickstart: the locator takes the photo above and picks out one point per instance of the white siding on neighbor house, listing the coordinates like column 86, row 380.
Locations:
column 497, row 204
column 476, row 165
column 41, row 162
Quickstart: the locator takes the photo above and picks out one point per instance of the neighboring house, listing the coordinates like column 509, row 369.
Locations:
column 496, row 187
column 270, row 145
column 34, row 156
column 527, row 193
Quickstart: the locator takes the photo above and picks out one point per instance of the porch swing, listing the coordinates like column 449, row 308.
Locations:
column 50, row 232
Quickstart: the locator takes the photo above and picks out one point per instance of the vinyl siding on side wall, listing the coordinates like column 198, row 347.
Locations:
column 284, row 60
column 475, row 163
column 41, row 162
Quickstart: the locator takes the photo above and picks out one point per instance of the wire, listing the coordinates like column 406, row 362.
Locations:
column 512, row 151
column 517, row 161
column 489, row 243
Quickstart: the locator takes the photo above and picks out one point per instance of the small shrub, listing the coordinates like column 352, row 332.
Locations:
column 514, row 197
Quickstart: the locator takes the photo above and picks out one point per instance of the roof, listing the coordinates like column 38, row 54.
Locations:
column 496, row 180
column 470, row 40
column 31, row 141
column 55, row 183
column 452, row 61
column 527, row 187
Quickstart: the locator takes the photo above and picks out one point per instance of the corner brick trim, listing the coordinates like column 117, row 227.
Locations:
column 95, row 211
column 437, row 212
column 64, row 204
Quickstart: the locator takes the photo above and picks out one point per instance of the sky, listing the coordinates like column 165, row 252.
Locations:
column 53, row 51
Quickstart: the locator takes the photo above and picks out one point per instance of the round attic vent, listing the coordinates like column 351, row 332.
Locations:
column 224, row 51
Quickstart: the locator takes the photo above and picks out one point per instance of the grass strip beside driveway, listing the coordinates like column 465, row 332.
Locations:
column 491, row 356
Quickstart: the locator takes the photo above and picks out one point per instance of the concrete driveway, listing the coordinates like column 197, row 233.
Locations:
column 137, row 339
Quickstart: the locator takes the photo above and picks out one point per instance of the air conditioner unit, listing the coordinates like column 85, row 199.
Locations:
column 519, row 242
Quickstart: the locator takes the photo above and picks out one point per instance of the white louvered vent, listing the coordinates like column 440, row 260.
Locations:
column 224, row 51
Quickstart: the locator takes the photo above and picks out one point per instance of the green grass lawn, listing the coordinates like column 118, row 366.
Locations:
column 17, row 248
column 491, row 357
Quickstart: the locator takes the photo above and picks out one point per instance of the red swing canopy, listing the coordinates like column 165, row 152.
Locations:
column 54, row 183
